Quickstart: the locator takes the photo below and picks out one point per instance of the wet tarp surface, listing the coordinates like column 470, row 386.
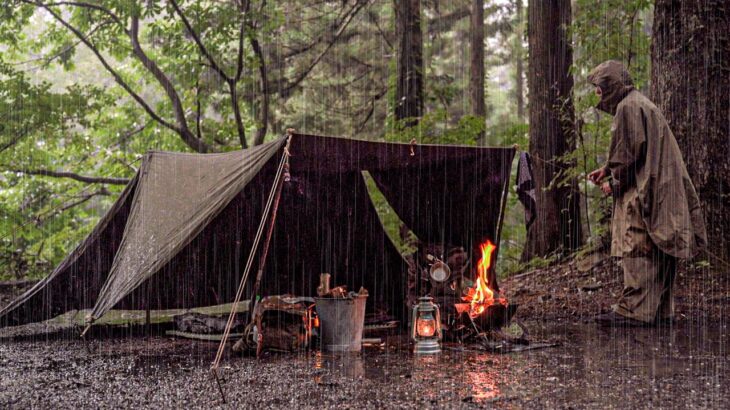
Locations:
column 177, row 196
column 180, row 234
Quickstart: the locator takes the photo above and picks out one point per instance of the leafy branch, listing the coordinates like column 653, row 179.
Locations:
column 71, row 175
column 181, row 126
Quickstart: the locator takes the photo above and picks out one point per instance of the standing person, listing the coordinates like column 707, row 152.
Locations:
column 656, row 213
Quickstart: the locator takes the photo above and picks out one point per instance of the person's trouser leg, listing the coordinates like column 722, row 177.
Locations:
column 668, row 272
column 648, row 282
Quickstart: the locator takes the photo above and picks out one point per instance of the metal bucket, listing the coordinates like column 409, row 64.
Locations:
column 341, row 322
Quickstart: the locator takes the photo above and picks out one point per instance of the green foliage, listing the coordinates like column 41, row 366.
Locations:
column 699, row 265
column 434, row 128
column 403, row 240
column 613, row 29
column 540, row 263
column 60, row 111
column 39, row 220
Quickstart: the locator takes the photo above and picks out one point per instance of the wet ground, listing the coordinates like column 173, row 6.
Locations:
column 685, row 367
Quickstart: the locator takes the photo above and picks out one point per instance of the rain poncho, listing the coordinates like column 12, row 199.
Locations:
column 655, row 201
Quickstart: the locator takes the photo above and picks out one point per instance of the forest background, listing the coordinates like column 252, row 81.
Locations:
column 87, row 87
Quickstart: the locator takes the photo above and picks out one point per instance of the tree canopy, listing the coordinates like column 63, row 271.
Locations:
column 86, row 87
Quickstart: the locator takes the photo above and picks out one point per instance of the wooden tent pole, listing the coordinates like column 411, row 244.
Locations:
column 272, row 194
column 269, row 233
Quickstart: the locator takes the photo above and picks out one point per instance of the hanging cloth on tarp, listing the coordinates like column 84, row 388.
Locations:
column 526, row 187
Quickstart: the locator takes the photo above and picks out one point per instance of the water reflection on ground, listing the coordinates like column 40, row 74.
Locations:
column 685, row 367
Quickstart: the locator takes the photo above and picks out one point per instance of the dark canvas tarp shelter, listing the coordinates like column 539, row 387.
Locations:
column 179, row 233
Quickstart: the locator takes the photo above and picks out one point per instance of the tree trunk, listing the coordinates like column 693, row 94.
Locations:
column 476, row 66
column 263, row 120
column 690, row 60
column 558, row 224
column 519, row 67
column 409, row 89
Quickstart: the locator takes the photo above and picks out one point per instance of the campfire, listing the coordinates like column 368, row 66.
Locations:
column 477, row 316
column 480, row 296
column 475, row 308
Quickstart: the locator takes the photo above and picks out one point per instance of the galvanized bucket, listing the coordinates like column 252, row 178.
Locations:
column 341, row 322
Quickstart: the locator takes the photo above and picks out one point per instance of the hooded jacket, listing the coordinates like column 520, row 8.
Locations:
column 647, row 168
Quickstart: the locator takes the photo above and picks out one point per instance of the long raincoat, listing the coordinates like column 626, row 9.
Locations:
column 657, row 215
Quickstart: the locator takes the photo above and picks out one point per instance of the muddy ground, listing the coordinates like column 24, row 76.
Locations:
column 685, row 366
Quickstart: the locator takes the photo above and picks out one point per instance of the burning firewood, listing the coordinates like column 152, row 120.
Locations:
column 481, row 296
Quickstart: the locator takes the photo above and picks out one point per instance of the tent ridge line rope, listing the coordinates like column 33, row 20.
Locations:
column 275, row 188
column 249, row 263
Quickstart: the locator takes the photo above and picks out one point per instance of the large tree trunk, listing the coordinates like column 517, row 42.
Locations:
column 409, row 90
column 690, row 75
column 476, row 65
column 558, row 224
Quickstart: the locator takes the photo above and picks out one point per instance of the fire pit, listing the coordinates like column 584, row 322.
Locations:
column 480, row 305
column 469, row 309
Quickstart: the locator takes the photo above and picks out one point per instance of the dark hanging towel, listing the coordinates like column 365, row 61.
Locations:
column 526, row 187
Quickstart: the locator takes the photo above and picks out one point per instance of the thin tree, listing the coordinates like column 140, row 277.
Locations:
column 409, row 89
column 476, row 64
column 518, row 56
column 690, row 60
column 558, row 224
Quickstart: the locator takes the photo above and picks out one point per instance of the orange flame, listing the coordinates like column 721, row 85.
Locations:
column 480, row 296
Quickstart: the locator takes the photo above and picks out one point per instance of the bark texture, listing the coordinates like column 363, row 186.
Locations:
column 409, row 90
column 691, row 85
column 558, row 224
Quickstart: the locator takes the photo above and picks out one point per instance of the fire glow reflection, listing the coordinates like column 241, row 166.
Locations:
column 483, row 385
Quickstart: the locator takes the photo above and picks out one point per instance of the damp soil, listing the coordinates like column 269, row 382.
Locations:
column 580, row 289
column 685, row 366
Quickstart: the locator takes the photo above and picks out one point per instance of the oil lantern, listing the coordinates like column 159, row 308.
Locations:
column 426, row 326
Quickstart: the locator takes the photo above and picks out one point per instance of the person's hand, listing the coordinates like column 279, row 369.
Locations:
column 597, row 176
column 606, row 188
